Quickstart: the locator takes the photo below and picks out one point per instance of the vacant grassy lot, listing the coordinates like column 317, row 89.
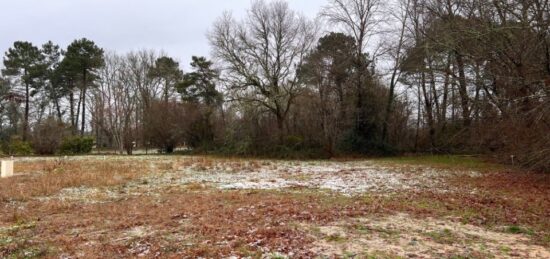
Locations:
column 163, row 206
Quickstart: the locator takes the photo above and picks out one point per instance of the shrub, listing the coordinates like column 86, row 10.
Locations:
column 356, row 143
column 294, row 142
column 17, row 147
column 47, row 137
column 165, row 123
column 77, row 145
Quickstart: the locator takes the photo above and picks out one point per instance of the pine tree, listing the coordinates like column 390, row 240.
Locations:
column 200, row 85
column 24, row 62
column 167, row 70
column 82, row 59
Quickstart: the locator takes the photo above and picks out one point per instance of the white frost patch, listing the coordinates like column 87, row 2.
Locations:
column 344, row 177
column 349, row 178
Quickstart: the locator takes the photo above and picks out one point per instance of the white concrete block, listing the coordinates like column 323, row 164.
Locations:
column 6, row 170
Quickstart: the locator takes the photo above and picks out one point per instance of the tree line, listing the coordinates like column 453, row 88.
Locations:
column 366, row 77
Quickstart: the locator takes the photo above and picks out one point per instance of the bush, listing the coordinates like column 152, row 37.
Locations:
column 165, row 124
column 294, row 142
column 355, row 143
column 47, row 137
column 17, row 147
column 77, row 146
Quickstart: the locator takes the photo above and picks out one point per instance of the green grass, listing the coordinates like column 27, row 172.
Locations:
column 379, row 255
column 336, row 238
column 443, row 237
column 519, row 230
column 443, row 161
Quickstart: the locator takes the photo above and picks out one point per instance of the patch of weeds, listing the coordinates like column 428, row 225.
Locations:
column 505, row 249
column 459, row 257
column 379, row 255
column 482, row 247
column 387, row 233
column 196, row 186
column 349, row 255
column 6, row 240
column 29, row 252
column 336, row 238
column 447, row 162
column 427, row 205
column 316, row 231
column 277, row 256
column 362, row 229
column 468, row 215
column 445, row 236
column 472, row 254
column 20, row 225
column 247, row 253
column 546, row 239
column 519, row 230
column 471, row 239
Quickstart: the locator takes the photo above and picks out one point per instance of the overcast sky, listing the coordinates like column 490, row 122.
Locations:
column 178, row 27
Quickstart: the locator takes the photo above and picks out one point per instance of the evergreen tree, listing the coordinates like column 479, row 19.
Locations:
column 25, row 63
column 54, row 87
column 82, row 59
column 167, row 70
column 200, row 85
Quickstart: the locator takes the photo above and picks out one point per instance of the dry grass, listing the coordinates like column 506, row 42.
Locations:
column 197, row 220
column 203, row 223
column 494, row 200
column 231, row 164
column 44, row 178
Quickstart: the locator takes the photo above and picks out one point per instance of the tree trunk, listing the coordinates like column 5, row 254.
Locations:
column 166, row 91
column 84, row 88
column 418, row 119
column 77, row 117
column 58, row 110
column 389, row 106
column 394, row 77
column 26, row 119
column 71, row 103
column 342, row 108
column 280, row 127
column 444, row 102
column 429, row 112
column 463, row 90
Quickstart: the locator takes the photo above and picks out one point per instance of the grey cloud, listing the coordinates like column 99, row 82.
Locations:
column 176, row 26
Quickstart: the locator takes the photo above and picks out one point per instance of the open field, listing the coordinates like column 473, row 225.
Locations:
column 171, row 206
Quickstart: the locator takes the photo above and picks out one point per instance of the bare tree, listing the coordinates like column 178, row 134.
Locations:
column 396, row 55
column 261, row 55
column 116, row 100
column 360, row 18
column 139, row 65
